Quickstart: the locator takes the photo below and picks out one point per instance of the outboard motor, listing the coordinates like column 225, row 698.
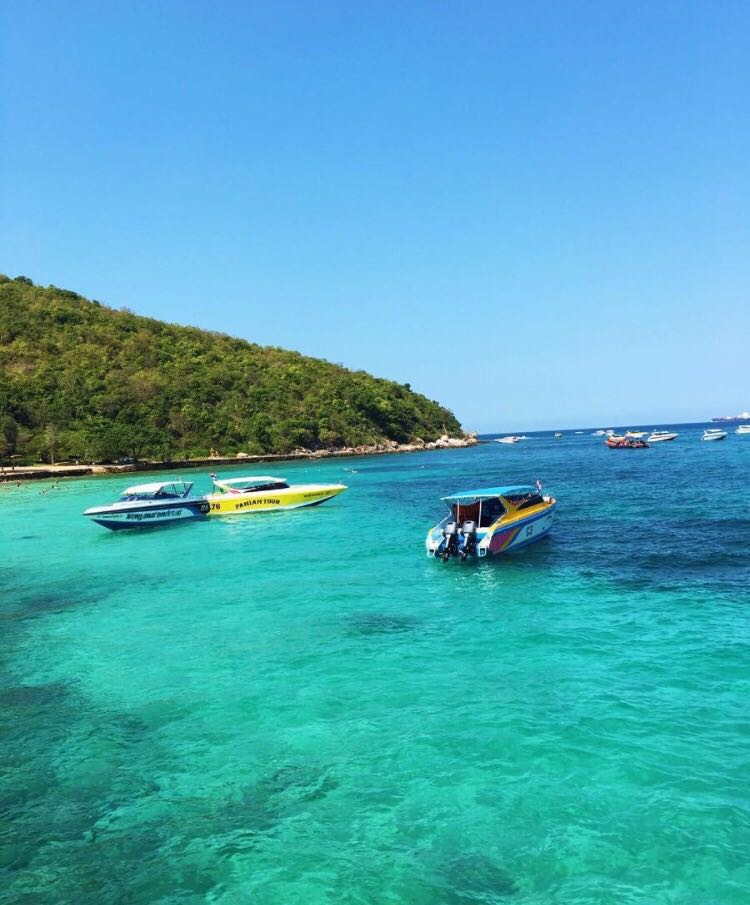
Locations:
column 449, row 544
column 469, row 539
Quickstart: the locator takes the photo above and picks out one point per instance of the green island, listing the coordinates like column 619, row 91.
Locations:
column 80, row 380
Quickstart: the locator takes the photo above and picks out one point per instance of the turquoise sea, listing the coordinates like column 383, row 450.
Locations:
column 302, row 708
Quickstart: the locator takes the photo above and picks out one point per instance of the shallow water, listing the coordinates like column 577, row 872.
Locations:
column 302, row 708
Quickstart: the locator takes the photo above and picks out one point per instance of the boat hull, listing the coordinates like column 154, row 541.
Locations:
column 272, row 500
column 625, row 443
column 521, row 533
column 140, row 517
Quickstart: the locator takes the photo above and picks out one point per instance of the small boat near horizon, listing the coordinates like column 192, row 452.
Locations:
column 508, row 440
column 660, row 436
column 724, row 419
column 265, row 493
column 713, row 433
column 489, row 521
column 635, row 435
column 558, row 435
column 150, row 506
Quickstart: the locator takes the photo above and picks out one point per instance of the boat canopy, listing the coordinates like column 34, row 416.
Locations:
column 157, row 487
column 484, row 493
column 255, row 479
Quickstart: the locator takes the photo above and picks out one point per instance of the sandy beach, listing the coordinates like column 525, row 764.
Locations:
column 16, row 474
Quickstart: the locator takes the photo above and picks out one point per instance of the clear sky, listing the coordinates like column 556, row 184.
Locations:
column 536, row 213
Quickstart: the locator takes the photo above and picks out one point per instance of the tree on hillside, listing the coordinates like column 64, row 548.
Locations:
column 51, row 439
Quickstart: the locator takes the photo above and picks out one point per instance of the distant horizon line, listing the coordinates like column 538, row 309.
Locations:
column 653, row 425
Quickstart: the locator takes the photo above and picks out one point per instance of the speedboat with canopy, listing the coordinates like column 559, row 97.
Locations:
column 491, row 520
column 714, row 433
column 263, row 493
column 150, row 505
column 659, row 436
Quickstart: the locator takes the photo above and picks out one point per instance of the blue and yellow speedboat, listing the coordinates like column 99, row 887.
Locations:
column 491, row 520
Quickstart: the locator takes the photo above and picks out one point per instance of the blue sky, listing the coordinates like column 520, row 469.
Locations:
column 537, row 213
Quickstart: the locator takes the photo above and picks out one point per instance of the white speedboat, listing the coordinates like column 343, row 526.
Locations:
column 558, row 435
column 149, row 506
column 599, row 433
column 635, row 435
column 743, row 429
column 661, row 436
column 713, row 433
column 511, row 439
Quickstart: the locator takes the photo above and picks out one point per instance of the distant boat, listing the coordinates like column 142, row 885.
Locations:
column 599, row 433
column 743, row 429
column 637, row 435
column 713, row 433
column 743, row 416
column 661, row 436
column 558, row 435
column 511, row 439
column 625, row 442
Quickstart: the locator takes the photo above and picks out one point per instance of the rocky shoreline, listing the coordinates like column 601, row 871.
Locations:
column 12, row 475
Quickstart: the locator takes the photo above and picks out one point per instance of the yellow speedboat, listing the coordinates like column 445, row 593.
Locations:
column 263, row 493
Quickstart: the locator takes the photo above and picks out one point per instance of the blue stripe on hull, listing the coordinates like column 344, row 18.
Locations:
column 516, row 544
column 149, row 519
column 144, row 526
column 139, row 526
column 526, row 542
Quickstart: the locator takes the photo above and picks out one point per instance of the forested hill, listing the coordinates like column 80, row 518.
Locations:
column 79, row 379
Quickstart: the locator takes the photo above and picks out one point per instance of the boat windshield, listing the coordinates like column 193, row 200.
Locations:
column 250, row 485
column 162, row 491
column 268, row 485
column 484, row 512
column 524, row 500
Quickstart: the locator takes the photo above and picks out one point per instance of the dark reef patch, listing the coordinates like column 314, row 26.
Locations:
column 296, row 784
column 476, row 878
column 28, row 696
column 381, row 624
column 32, row 606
